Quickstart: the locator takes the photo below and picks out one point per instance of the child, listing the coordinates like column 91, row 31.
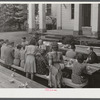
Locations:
column 78, row 69
column 17, row 55
column 24, row 41
column 55, row 59
column 3, row 47
column 22, row 57
column 1, row 43
column 9, row 53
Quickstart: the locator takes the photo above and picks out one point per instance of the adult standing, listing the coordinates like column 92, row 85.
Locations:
column 30, row 65
column 92, row 57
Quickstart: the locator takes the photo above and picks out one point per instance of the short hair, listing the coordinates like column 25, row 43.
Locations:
column 73, row 46
column 1, row 40
column 40, row 41
column 6, row 41
column 80, row 58
column 24, row 38
column 19, row 46
column 10, row 43
column 90, row 48
column 55, row 46
column 32, row 41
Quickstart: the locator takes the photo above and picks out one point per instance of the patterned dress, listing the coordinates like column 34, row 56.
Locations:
column 41, row 62
column 55, row 69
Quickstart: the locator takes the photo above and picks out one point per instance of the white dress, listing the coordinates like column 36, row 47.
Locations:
column 30, row 65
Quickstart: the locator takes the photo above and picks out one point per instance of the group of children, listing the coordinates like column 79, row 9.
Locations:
column 34, row 59
column 13, row 54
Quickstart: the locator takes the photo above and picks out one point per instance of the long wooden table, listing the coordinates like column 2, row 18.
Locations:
column 91, row 68
column 7, row 81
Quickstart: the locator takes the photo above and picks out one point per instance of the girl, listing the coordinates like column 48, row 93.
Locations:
column 9, row 53
column 30, row 65
column 78, row 69
column 22, row 57
column 17, row 55
column 55, row 59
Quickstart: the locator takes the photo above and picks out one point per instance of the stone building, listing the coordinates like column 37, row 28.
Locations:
column 82, row 19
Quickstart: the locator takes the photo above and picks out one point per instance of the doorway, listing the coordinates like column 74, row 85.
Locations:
column 86, row 14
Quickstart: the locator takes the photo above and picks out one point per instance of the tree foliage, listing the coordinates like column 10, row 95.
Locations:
column 13, row 16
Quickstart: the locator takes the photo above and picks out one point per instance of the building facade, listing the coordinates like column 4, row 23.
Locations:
column 83, row 19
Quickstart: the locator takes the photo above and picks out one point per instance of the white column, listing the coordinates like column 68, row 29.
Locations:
column 59, row 16
column 95, row 19
column 42, row 18
column 78, row 19
column 31, row 18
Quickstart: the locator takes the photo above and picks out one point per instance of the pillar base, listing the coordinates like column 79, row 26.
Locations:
column 77, row 32
column 42, row 30
column 31, row 30
column 59, row 28
column 96, row 34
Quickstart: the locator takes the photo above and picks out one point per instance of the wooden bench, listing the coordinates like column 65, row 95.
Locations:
column 22, row 69
column 49, row 39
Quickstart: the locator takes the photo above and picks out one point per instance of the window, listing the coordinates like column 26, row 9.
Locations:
column 48, row 12
column 72, row 11
column 36, row 9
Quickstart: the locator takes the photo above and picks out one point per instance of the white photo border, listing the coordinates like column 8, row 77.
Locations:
column 45, row 92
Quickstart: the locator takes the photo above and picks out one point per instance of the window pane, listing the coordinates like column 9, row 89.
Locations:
column 72, row 11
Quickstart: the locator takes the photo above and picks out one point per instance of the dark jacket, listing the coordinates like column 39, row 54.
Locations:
column 93, row 58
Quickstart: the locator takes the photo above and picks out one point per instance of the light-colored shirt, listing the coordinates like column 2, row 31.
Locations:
column 3, row 48
column 24, row 43
column 30, row 49
column 71, row 54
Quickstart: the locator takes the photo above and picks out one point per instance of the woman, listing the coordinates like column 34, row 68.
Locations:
column 55, row 60
column 78, row 69
column 41, row 60
column 30, row 65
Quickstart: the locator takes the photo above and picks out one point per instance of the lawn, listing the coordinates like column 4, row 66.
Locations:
column 14, row 36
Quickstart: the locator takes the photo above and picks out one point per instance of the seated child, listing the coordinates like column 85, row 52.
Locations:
column 78, row 70
column 22, row 57
column 17, row 55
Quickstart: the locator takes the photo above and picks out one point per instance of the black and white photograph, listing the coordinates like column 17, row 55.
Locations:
column 50, row 45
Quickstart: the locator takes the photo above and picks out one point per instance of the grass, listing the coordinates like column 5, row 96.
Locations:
column 14, row 36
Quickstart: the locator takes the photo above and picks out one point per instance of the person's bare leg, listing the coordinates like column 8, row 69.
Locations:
column 49, row 80
column 32, row 76
column 27, row 74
